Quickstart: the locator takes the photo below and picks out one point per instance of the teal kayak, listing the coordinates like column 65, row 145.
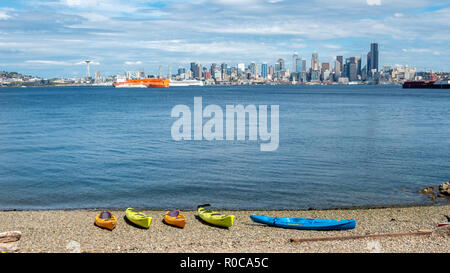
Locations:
column 304, row 223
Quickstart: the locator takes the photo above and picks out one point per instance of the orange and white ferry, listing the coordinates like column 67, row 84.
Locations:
column 142, row 83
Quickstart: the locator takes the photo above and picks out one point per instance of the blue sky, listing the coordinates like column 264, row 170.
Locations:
column 50, row 38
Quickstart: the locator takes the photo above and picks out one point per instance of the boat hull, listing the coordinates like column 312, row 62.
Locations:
column 138, row 218
column 106, row 223
column 304, row 223
column 185, row 83
column 425, row 85
column 178, row 221
column 215, row 218
column 143, row 83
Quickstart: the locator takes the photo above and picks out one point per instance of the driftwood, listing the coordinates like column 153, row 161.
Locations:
column 354, row 237
column 9, row 241
column 9, row 247
column 10, row 236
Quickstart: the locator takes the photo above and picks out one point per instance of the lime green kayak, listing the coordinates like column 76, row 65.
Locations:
column 138, row 218
column 215, row 218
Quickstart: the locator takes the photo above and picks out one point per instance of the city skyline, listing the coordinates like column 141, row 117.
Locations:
column 53, row 38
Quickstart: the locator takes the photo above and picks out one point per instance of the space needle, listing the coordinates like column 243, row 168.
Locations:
column 87, row 68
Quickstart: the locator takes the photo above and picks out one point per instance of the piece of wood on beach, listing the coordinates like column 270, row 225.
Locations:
column 9, row 247
column 10, row 236
column 356, row 237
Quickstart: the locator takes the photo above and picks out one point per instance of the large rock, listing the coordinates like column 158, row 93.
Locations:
column 445, row 188
column 428, row 190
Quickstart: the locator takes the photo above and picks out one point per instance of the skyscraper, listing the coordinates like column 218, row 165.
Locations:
column 363, row 68
column 340, row 59
column 315, row 62
column 280, row 65
column 300, row 65
column 294, row 62
column 181, row 70
column 302, row 75
column 325, row 71
column 223, row 69
column 264, row 70
column 254, row 69
column 351, row 65
column 97, row 76
column 337, row 68
column 213, row 68
column 196, row 70
column 169, row 72
column 271, row 71
column 192, row 67
column 372, row 58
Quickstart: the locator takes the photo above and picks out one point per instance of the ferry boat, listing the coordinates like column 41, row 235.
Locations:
column 142, row 83
column 186, row 83
column 440, row 84
column 432, row 84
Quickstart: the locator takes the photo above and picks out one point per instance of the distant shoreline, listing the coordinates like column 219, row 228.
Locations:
column 211, row 85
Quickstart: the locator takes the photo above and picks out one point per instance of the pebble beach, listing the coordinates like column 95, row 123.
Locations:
column 56, row 231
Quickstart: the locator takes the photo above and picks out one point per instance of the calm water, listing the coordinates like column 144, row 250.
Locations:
column 98, row 147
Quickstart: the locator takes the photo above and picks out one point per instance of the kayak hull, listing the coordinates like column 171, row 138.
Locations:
column 177, row 221
column 138, row 218
column 304, row 223
column 215, row 218
column 106, row 223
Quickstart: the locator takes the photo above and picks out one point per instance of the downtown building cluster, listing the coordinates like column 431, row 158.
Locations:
column 351, row 69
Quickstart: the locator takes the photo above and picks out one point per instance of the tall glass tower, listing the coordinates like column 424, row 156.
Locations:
column 294, row 62
column 372, row 58
column 264, row 70
column 315, row 62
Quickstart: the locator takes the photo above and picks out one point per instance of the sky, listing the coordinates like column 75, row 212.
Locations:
column 51, row 38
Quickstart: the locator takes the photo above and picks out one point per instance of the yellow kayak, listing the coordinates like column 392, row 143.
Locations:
column 215, row 218
column 138, row 218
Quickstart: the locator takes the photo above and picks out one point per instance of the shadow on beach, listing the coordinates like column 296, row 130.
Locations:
column 132, row 224
column 170, row 225
column 208, row 224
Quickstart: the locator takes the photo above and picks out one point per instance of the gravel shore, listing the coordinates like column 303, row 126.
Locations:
column 55, row 231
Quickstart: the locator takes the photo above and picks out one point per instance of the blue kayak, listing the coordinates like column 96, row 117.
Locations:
column 304, row 223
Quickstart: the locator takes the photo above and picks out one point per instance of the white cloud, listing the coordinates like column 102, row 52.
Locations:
column 72, row 3
column 111, row 6
column 332, row 46
column 374, row 2
column 94, row 17
column 48, row 62
column 133, row 63
column 421, row 50
column 4, row 15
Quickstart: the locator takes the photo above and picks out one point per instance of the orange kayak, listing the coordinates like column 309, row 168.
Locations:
column 175, row 218
column 106, row 220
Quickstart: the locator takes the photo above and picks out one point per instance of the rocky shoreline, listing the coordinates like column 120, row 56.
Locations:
column 434, row 192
